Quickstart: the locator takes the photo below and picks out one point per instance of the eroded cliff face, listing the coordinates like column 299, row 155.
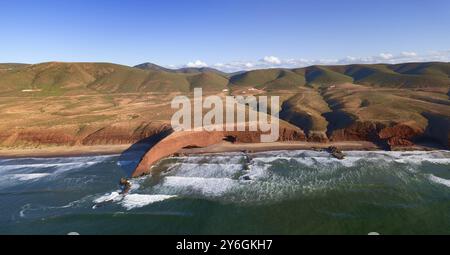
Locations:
column 184, row 139
column 358, row 131
column 123, row 134
column 173, row 143
column 390, row 135
column 37, row 137
column 317, row 136
column 386, row 135
column 401, row 134
column 70, row 135
column 285, row 134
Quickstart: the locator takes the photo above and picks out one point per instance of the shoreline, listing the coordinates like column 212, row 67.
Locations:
column 64, row 151
column 98, row 150
column 313, row 146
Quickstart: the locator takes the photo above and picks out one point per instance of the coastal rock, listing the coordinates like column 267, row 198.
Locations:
column 401, row 134
column 390, row 134
column 123, row 133
column 335, row 152
column 37, row 136
column 358, row 131
column 173, row 143
column 317, row 136
column 70, row 135
column 285, row 134
column 183, row 139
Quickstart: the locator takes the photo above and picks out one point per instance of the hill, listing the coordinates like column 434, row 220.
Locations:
column 5, row 67
column 153, row 67
column 186, row 70
column 409, row 75
column 390, row 105
column 57, row 78
column 269, row 79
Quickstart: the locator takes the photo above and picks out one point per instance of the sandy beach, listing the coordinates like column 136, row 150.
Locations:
column 259, row 147
column 63, row 151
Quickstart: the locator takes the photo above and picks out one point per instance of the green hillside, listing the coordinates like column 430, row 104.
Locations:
column 255, row 78
column 286, row 80
column 408, row 75
column 269, row 79
column 56, row 78
column 153, row 67
column 10, row 66
column 320, row 75
column 186, row 70
column 86, row 78
column 208, row 81
column 345, row 102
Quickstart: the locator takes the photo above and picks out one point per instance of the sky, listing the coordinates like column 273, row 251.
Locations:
column 229, row 35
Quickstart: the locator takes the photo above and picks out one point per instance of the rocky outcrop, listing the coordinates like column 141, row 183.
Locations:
column 191, row 139
column 70, row 135
column 401, row 134
column 174, row 143
column 285, row 134
column 317, row 136
column 388, row 135
column 123, row 134
column 358, row 131
column 36, row 137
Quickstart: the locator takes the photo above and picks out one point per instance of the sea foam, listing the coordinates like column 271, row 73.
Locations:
column 133, row 201
column 27, row 177
column 268, row 177
column 439, row 180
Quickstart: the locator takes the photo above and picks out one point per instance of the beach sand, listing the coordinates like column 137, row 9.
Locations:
column 62, row 151
column 258, row 147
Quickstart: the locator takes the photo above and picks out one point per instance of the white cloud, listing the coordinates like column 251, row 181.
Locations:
column 386, row 56
column 408, row 54
column 271, row 60
column 197, row 63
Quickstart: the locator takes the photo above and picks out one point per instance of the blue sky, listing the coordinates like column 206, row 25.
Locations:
column 224, row 34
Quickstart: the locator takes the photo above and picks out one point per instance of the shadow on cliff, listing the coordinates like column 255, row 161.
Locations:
column 302, row 121
column 338, row 119
column 437, row 132
column 130, row 158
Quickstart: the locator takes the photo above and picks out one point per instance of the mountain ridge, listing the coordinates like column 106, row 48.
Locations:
column 60, row 78
column 187, row 70
column 105, row 103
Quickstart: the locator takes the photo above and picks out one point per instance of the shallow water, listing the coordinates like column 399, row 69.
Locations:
column 284, row 192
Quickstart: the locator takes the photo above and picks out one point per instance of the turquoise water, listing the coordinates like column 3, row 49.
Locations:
column 286, row 192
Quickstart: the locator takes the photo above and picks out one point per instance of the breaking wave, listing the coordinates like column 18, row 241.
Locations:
column 18, row 171
column 266, row 177
column 130, row 201
column 439, row 180
column 270, row 177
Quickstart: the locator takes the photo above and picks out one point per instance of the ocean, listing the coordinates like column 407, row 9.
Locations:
column 282, row 192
